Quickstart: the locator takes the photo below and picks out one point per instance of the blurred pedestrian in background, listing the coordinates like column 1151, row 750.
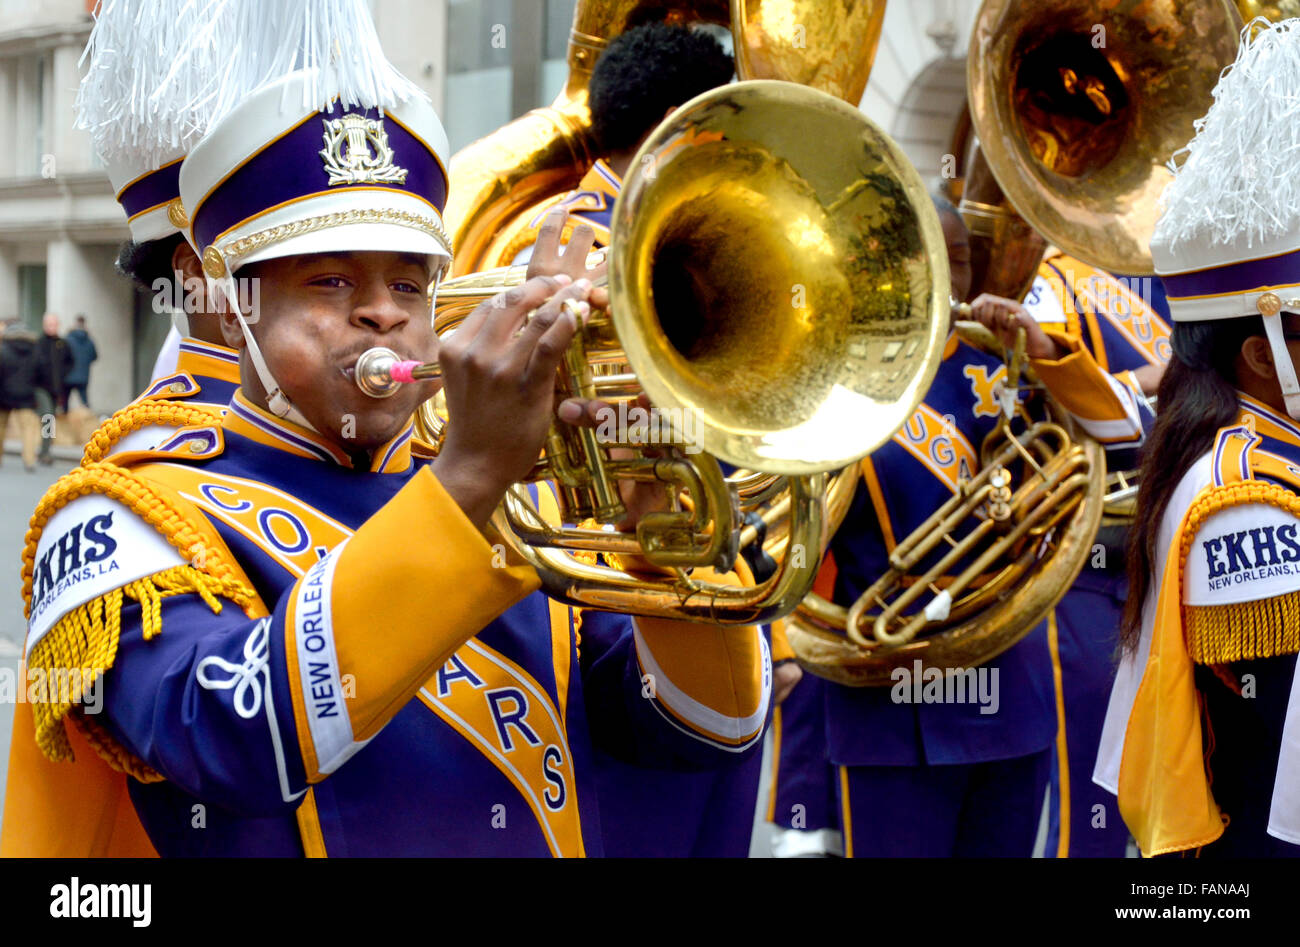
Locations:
column 18, row 387
column 53, row 363
column 83, row 353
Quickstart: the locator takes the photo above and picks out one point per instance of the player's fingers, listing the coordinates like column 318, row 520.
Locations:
column 543, row 355
column 469, row 329
column 510, row 310
column 547, row 248
column 571, row 299
column 580, row 243
column 584, row 412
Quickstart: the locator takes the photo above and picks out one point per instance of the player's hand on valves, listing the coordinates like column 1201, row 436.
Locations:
column 551, row 259
column 1004, row 316
column 639, row 496
column 499, row 371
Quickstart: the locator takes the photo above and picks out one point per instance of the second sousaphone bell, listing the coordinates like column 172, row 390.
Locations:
column 1080, row 104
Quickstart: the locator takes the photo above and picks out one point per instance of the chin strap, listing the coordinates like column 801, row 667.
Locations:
column 1286, row 375
column 438, row 274
column 277, row 402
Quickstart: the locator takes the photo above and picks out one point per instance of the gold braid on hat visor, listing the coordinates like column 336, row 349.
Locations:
column 219, row 261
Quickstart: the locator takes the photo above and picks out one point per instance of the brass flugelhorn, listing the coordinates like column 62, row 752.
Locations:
column 778, row 284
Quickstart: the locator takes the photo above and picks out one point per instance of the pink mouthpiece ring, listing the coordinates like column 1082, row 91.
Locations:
column 401, row 371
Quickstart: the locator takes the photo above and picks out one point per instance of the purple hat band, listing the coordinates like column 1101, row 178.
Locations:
column 151, row 190
column 292, row 166
column 1245, row 277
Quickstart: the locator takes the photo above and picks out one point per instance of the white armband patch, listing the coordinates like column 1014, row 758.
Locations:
column 1243, row 554
column 90, row 547
column 1043, row 303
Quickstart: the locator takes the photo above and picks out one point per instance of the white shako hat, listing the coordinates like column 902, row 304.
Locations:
column 285, row 174
column 152, row 69
column 339, row 153
column 1227, row 243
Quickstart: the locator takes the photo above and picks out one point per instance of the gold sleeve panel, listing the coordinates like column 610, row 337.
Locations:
column 393, row 635
column 781, row 650
column 1078, row 382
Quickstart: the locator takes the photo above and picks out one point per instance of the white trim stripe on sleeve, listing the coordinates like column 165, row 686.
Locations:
column 723, row 726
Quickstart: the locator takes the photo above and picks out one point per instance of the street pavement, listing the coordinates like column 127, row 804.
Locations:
column 19, row 493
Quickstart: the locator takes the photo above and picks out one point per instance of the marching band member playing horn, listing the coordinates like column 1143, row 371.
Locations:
column 1202, row 735
column 913, row 777
column 305, row 628
column 1100, row 344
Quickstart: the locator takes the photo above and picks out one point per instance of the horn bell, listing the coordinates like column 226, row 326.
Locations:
column 1080, row 105
column 778, row 269
column 829, row 46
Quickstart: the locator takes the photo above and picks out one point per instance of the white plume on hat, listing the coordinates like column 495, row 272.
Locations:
column 1237, row 184
column 335, row 40
column 160, row 73
column 152, row 75
column 1227, row 239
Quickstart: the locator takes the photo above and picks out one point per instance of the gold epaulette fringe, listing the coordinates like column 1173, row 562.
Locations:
column 139, row 415
column 83, row 644
column 1242, row 631
column 1219, row 634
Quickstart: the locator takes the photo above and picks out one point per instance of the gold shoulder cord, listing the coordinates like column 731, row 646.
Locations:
column 86, row 639
column 139, row 415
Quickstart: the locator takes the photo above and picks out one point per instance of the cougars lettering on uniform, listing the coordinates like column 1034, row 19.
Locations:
column 1250, row 554
column 455, row 670
column 501, row 709
column 933, row 440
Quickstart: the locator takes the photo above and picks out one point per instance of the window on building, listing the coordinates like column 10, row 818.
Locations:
column 479, row 73
column 502, row 60
column 31, row 294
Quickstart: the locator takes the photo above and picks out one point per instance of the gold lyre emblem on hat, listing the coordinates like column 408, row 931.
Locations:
column 347, row 152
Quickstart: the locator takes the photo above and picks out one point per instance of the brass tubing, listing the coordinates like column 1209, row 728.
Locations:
column 582, row 585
